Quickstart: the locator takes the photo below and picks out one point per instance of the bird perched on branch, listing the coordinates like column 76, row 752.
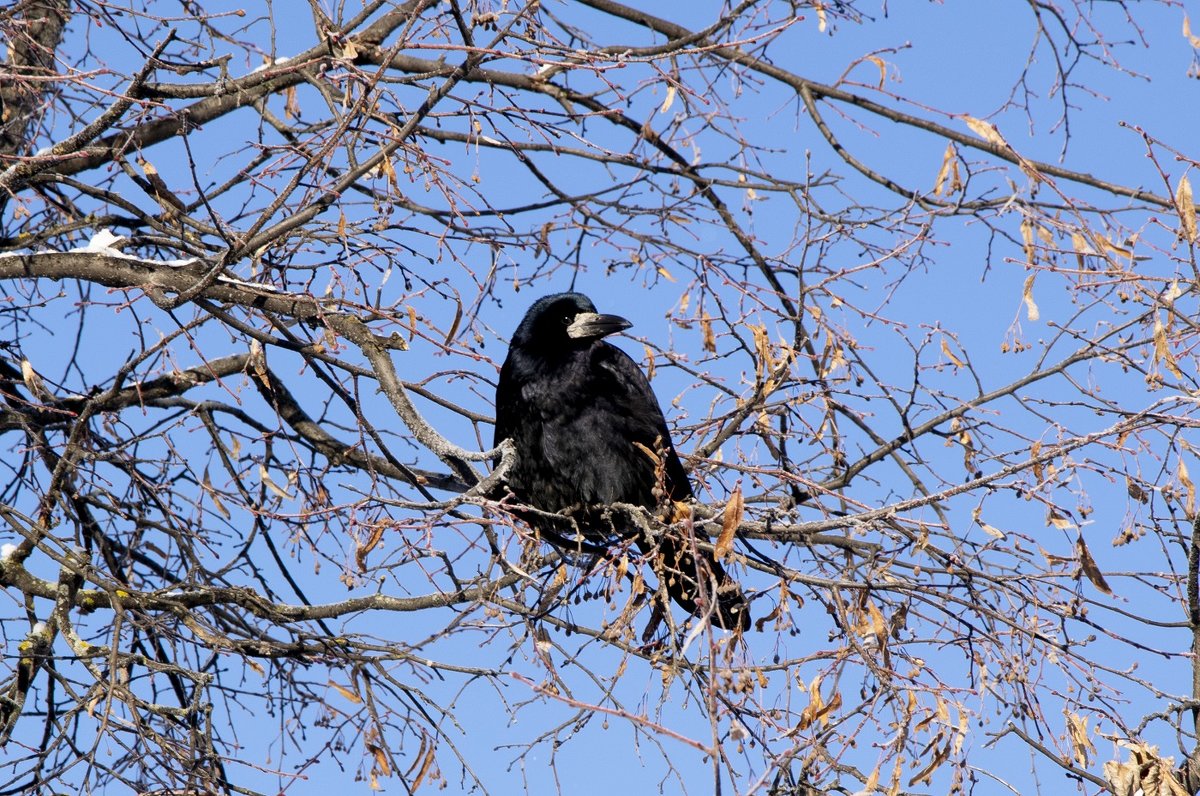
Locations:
column 589, row 433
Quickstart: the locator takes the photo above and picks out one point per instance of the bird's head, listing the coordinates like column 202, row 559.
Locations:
column 564, row 321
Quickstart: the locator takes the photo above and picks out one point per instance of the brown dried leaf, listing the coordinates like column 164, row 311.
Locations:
column 1186, row 208
column 1192, row 38
column 291, row 104
column 649, row 362
column 1135, row 491
column 1081, row 742
column 1090, row 569
column 381, row 761
column 653, row 454
column 1031, row 307
column 1059, row 521
column 1081, row 247
column 426, row 764
column 208, row 488
column 271, row 485
column 1027, row 240
column 926, row 774
column 880, row 64
column 946, row 352
column 816, row 704
column 385, row 165
column 680, row 510
column 412, row 323
column 1186, row 479
column 878, row 625
column 991, row 531
column 1162, row 350
column 458, row 313
column 734, row 511
column 949, row 180
column 360, row 555
column 986, row 130
column 765, row 362
column 346, row 692
column 708, row 339
column 33, row 382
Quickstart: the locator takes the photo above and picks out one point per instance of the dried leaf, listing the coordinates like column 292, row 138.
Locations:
column 764, row 363
column 816, row 704
column 1192, row 38
column 650, row 452
column 948, row 179
column 1081, row 742
column 33, row 382
column 1090, row 569
column 1059, row 521
column 1027, row 241
column 381, row 761
column 872, row 782
column 1135, row 491
column 669, row 100
column 1145, row 773
column 271, row 485
column 360, row 554
column 926, row 774
column 1162, row 350
column 708, row 338
column 986, row 130
column 882, row 66
column 291, row 104
column 649, row 362
column 877, row 624
column 1031, row 307
column 734, row 511
column 208, row 488
column 1186, row 479
column 1081, row 247
column 385, row 165
column 346, row 692
column 425, row 764
column 412, row 323
column 946, row 352
column 458, row 313
column 1186, row 209
column 991, row 531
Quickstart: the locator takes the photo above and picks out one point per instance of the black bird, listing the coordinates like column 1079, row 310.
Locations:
column 589, row 432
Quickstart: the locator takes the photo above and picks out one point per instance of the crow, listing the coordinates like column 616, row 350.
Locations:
column 588, row 433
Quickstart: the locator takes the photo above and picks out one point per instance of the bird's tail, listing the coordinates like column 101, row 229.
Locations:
column 697, row 582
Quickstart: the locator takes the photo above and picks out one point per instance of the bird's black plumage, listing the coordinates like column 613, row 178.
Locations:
column 588, row 433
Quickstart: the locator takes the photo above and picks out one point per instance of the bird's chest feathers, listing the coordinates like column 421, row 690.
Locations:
column 582, row 427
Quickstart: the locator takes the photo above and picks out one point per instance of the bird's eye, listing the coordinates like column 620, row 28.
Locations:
column 567, row 319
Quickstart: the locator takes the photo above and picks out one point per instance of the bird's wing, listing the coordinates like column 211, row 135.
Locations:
column 508, row 396
column 645, row 416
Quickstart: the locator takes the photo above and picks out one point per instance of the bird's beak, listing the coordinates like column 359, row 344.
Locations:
column 592, row 325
